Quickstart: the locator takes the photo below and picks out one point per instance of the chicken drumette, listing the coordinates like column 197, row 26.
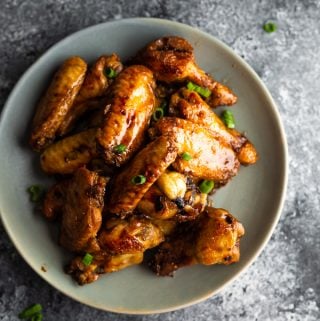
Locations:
column 211, row 239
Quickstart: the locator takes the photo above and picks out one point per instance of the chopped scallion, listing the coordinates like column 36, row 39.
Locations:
column 206, row 186
column 87, row 259
column 119, row 149
column 37, row 317
column 158, row 114
column 36, row 192
column 228, row 119
column 270, row 27
column 204, row 92
column 138, row 180
column 186, row 156
column 30, row 311
column 110, row 73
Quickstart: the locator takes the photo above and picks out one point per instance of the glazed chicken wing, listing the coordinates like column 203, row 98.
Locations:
column 70, row 153
column 172, row 60
column 210, row 158
column 150, row 162
column 79, row 201
column 81, row 215
column 212, row 239
column 172, row 198
column 189, row 105
column 94, row 86
column 122, row 243
column 131, row 103
column 56, row 102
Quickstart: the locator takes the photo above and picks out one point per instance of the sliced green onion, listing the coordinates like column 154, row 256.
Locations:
column 158, row 114
column 110, row 73
column 37, row 317
column 204, row 92
column 270, row 27
column 138, row 180
column 87, row 259
column 30, row 311
column 119, row 149
column 206, row 186
column 36, row 192
column 228, row 119
column 186, row 156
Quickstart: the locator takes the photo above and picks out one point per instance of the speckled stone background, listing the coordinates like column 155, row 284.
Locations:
column 284, row 282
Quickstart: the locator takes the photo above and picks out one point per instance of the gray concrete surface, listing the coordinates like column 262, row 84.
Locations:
column 284, row 283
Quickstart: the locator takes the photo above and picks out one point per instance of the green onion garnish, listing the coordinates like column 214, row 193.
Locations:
column 37, row 317
column 228, row 119
column 206, row 186
column 270, row 27
column 158, row 114
column 119, row 149
column 110, row 73
column 186, row 156
column 87, row 259
column 204, row 92
column 36, row 192
column 138, row 180
column 30, row 311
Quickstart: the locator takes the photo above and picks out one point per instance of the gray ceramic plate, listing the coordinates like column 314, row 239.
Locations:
column 255, row 196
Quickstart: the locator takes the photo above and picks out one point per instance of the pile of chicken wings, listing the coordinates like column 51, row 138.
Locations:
column 131, row 147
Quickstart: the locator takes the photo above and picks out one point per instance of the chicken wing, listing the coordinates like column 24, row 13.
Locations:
column 70, row 153
column 150, row 162
column 189, row 105
column 122, row 244
column 212, row 239
column 172, row 60
column 210, row 158
column 56, row 102
column 157, row 205
column 131, row 105
column 81, row 211
column 95, row 85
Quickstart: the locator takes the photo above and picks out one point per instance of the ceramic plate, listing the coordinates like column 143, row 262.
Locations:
column 255, row 196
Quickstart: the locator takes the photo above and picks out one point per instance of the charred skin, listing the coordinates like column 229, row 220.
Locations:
column 172, row 60
column 81, row 212
column 211, row 159
column 190, row 106
column 56, row 102
column 94, row 86
column 150, row 162
column 212, row 239
column 131, row 103
column 70, row 153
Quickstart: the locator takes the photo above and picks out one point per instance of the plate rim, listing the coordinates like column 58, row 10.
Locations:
column 282, row 138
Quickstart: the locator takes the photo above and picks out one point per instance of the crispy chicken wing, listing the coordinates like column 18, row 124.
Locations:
column 70, row 153
column 150, row 162
column 172, row 60
column 131, row 101
column 122, row 244
column 189, row 105
column 56, row 102
column 212, row 239
column 81, row 212
column 157, row 205
column 211, row 159
column 95, row 84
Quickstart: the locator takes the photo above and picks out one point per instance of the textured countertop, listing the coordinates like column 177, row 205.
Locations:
column 284, row 282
